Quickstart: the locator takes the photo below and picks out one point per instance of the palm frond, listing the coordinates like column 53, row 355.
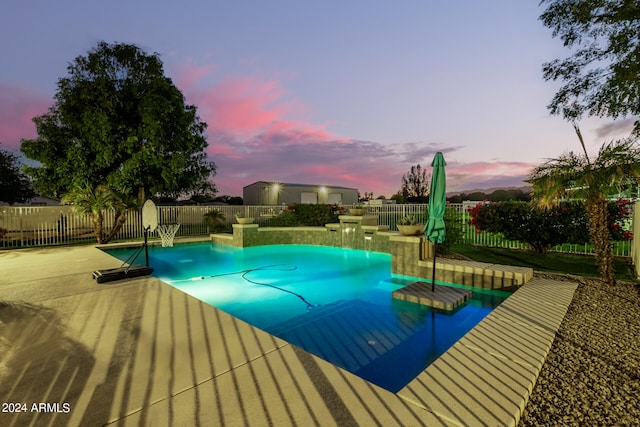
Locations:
column 617, row 165
column 557, row 178
column 571, row 175
column 87, row 199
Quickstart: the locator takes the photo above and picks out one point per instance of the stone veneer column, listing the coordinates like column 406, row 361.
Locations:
column 245, row 235
column 406, row 251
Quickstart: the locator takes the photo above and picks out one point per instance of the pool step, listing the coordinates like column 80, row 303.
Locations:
column 441, row 297
column 310, row 316
column 351, row 334
column 475, row 274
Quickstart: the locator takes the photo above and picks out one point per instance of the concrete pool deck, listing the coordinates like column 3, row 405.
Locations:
column 139, row 352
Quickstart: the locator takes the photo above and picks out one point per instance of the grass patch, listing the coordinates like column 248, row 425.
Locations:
column 581, row 265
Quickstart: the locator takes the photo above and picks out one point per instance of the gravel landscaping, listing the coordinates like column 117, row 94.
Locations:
column 592, row 374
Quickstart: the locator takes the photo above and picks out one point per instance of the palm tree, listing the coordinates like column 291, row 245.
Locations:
column 215, row 219
column 575, row 176
column 91, row 201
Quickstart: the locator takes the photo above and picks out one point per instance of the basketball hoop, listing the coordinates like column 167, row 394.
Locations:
column 149, row 216
column 167, row 232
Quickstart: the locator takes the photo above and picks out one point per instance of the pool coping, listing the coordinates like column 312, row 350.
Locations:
column 254, row 378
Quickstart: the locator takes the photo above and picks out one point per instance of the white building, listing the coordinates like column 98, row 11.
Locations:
column 379, row 202
column 36, row 201
column 277, row 193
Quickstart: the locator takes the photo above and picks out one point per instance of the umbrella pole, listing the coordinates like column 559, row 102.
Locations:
column 433, row 271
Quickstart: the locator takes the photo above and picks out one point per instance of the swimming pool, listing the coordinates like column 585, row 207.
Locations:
column 335, row 303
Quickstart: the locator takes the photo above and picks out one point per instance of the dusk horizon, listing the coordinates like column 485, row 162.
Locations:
column 333, row 94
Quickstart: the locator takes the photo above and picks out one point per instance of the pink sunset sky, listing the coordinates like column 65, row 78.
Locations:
column 328, row 93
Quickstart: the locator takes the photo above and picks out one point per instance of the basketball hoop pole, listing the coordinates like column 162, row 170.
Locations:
column 146, row 247
column 149, row 222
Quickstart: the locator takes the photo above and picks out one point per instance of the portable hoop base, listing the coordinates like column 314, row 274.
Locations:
column 167, row 232
column 113, row 274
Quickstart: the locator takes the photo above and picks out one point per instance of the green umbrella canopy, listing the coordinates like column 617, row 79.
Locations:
column 434, row 230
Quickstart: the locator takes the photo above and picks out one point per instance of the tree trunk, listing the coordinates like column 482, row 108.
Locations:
column 97, row 220
column 121, row 217
column 141, row 196
column 600, row 238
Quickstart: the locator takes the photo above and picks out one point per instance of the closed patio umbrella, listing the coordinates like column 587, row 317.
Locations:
column 434, row 229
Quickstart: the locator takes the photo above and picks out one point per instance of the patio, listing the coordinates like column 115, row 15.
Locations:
column 139, row 352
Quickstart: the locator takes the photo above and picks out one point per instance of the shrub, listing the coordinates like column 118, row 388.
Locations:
column 453, row 228
column 539, row 228
column 619, row 213
column 408, row 220
column 304, row 214
column 214, row 219
column 543, row 228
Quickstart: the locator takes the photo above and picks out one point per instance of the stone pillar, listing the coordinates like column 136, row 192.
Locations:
column 406, row 251
column 427, row 249
column 245, row 235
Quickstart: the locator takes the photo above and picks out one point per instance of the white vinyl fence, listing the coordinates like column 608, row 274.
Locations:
column 59, row 225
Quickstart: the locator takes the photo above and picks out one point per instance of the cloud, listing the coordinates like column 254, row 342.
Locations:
column 242, row 105
column 616, row 129
column 259, row 131
column 368, row 166
column 18, row 106
column 190, row 74
column 478, row 175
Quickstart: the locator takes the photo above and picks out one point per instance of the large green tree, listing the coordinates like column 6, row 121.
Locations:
column 119, row 122
column 15, row 186
column 602, row 76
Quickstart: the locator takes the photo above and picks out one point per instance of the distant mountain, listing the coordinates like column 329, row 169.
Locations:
column 524, row 189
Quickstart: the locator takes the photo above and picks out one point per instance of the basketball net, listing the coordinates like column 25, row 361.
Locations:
column 167, row 232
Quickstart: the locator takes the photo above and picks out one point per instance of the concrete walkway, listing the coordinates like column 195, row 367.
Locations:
column 139, row 352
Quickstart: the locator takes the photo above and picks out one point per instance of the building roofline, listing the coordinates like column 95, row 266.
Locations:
column 291, row 184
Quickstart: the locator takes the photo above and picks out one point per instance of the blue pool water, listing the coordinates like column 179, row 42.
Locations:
column 335, row 303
